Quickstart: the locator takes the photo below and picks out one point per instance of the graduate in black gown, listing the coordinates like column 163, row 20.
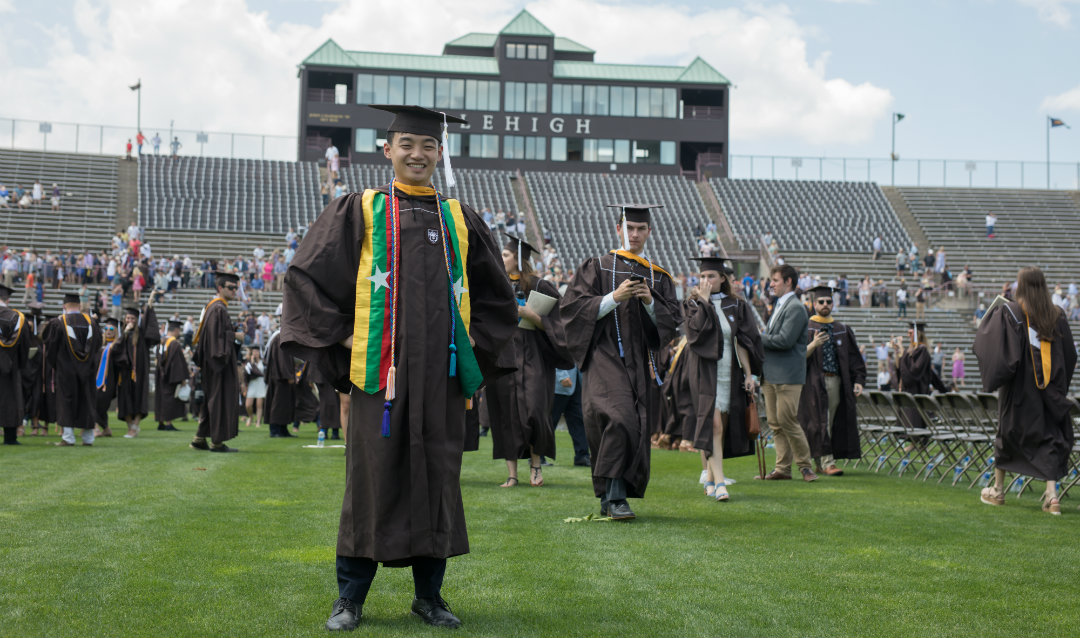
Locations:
column 279, row 370
column 616, row 313
column 139, row 333
column 329, row 403
column 517, row 407
column 677, row 431
column 216, row 355
column 34, row 373
column 399, row 296
column 71, row 341
column 1026, row 353
column 724, row 362
column 105, row 375
column 835, row 375
column 14, row 349
column 916, row 371
column 306, row 409
column 171, row 372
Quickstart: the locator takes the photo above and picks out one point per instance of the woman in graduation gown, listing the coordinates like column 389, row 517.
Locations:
column 14, row 348
column 1026, row 353
column 34, row 373
column 140, row 332
column 518, row 405
column 724, row 343
column 105, row 373
column 916, row 371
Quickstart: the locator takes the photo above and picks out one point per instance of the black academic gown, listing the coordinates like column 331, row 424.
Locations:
column 402, row 492
column 280, row 374
column 33, row 376
column 523, row 399
column 14, row 349
column 1035, row 431
column 916, row 377
column 172, row 370
column 307, row 404
column 215, row 354
column 106, row 371
column 71, row 358
column 841, row 437
column 617, row 402
column 133, row 382
column 329, row 402
column 705, row 345
column 677, row 413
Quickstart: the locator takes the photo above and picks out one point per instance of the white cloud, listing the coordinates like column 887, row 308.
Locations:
column 1052, row 11
column 1067, row 101
column 218, row 65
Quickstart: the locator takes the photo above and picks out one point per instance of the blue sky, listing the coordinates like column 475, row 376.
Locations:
column 975, row 78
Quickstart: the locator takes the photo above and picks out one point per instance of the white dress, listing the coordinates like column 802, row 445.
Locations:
column 723, row 366
column 256, row 388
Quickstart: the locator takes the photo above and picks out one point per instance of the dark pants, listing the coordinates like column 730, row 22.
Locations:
column 355, row 575
column 569, row 405
column 10, row 436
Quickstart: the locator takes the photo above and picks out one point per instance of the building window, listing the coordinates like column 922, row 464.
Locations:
column 671, row 103
column 515, row 51
column 667, row 153
column 558, row 149
column 520, row 147
column 536, row 52
column 481, row 95
column 454, row 143
column 526, row 97
column 365, row 140
column 449, row 93
column 477, row 145
column 420, row 91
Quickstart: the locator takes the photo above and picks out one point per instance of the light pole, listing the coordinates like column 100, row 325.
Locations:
column 896, row 117
column 1051, row 122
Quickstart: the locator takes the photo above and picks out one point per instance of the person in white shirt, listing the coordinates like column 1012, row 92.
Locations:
column 258, row 252
column 991, row 221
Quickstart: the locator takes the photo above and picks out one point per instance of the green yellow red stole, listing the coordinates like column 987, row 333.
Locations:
column 373, row 362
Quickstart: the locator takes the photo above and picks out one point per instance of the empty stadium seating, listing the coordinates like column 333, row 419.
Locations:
column 480, row 188
column 573, row 206
column 834, row 217
column 219, row 194
column 1035, row 227
column 88, row 184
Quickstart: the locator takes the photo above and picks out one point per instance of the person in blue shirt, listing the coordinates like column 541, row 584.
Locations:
column 568, row 403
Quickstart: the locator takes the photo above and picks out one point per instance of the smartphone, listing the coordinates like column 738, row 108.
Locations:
column 636, row 278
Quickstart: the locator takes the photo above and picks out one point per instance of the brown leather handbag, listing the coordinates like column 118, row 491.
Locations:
column 751, row 418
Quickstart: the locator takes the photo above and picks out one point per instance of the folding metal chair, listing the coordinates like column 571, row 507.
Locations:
column 989, row 404
column 1072, row 477
column 977, row 438
column 890, row 446
column 946, row 439
column 916, row 436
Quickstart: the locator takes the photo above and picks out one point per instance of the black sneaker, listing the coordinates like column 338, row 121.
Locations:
column 199, row 445
column 620, row 511
column 345, row 616
column 222, row 448
column 435, row 612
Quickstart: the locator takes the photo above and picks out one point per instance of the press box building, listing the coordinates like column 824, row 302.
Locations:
column 533, row 101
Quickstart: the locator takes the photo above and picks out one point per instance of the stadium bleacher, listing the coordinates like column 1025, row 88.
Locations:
column 823, row 217
column 88, row 184
column 573, row 206
column 1034, row 227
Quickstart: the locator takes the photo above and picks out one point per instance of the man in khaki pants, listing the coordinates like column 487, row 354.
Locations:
column 785, row 339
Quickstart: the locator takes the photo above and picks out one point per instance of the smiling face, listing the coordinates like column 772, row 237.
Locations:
column 414, row 157
column 509, row 259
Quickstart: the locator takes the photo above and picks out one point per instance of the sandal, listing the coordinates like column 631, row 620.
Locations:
column 508, row 482
column 535, row 478
column 1051, row 505
column 709, row 488
column 721, row 493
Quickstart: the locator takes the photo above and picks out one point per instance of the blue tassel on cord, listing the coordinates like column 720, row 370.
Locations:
column 386, row 420
column 621, row 355
column 453, row 360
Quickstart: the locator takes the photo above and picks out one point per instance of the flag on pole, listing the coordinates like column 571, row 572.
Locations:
column 136, row 86
column 899, row 116
column 1054, row 123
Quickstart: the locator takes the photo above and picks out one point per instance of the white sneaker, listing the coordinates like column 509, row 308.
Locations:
column 704, row 475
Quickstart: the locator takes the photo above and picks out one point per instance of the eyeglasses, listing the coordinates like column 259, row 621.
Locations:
column 825, row 301
column 230, row 286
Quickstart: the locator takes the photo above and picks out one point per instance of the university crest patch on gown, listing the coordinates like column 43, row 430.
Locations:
column 432, row 236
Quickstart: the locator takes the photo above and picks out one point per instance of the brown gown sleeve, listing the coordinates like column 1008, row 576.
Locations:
column 999, row 346
column 150, row 333
column 747, row 336
column 702, row 330
column 493, row 306
column 319, row 300
column 577, row 312
column 856, row 365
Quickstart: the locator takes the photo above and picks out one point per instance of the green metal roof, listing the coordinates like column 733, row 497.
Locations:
column 330, row 54
column 484, row 40
column 566, row 44
column 698, row 72
column 427, row 63
column 525, row 24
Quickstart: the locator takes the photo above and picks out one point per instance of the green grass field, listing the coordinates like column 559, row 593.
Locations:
column 146, row 537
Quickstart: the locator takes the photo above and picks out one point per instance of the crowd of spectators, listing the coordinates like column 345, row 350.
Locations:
column 34, row 197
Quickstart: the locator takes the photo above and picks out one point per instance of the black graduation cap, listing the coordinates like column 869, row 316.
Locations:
column 131, row 310
column 36, row 307
column 72, row 298
column 821, row 291
column 637, row 213
column 917, row 328
column 175, row 325
column 110, row 321
column 223, row 277
column 718, row 264
column 417, row 119
column 521, row 247
column 5, row 292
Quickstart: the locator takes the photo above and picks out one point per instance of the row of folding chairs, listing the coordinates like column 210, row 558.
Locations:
column 944, row 437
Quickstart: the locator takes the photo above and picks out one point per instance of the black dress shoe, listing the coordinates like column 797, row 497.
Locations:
column 583, row 462
column 335, row 436
column 345, row 616
column 435, row 612
column 199, row 445
column 222, row 448
column 169, row 428
column 275, row 435
column 604, row 507
column 620, row 511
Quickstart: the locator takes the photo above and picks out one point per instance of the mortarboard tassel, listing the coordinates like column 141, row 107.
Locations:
column 386, row 420
column 391, row 383
column 625, row 234
column 453, row 360
column 447, row 170
column 468, row 403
